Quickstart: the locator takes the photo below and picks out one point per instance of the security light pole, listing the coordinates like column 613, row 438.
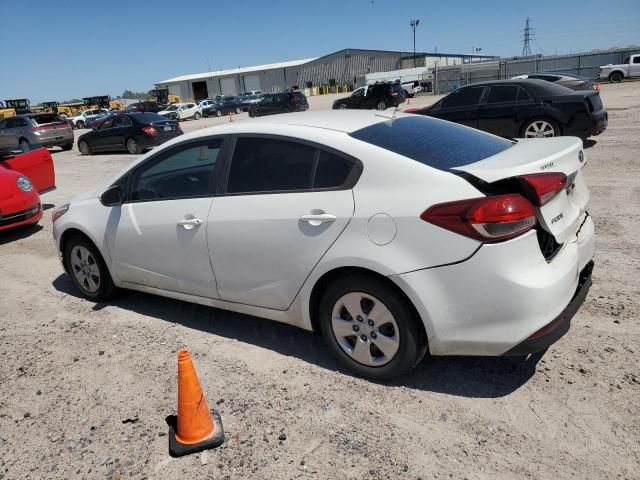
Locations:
column 413, row 24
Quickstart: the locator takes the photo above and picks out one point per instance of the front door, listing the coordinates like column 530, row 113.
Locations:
column 158, row 237
column 461, row 106
column 101, row 137
column 115, row 135
column 634, row 66
column 285, row 204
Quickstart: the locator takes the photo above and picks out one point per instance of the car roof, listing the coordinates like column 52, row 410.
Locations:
column 533, row 85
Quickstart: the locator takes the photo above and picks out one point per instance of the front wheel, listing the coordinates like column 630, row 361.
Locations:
column 370, row 327
column 84, row 147
column 196, row 116
column 381, row 106
column 87, row 269
column 238, row 110
column 133, row 146
column 79, row 124
column 540, row 128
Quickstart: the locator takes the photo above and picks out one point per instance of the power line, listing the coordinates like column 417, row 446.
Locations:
column 528, row 36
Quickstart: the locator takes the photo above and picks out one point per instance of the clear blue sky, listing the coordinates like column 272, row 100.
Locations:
column 56, row 50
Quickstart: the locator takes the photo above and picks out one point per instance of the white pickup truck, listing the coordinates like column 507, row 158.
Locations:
column 615, row 73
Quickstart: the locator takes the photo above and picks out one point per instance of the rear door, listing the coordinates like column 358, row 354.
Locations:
column 461, row 106
column 562, row 215
column 276, row 218
column 503, row 109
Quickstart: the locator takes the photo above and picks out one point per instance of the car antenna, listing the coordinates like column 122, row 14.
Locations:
column 387, row 114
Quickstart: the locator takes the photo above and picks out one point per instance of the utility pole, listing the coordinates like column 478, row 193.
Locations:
column 528, row 36
column 413, row 24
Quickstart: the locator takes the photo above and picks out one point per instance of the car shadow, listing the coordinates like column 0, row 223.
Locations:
column 475, row 377
column 588, row 143
column 18, row 233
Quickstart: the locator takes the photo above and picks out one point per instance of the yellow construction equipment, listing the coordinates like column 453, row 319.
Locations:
column 162, row 96
column 6, row 112
column 70, row 109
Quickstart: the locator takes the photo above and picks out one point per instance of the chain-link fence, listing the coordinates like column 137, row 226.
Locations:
column 586, row 64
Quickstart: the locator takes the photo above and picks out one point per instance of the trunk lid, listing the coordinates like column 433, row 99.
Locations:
column 561, row 216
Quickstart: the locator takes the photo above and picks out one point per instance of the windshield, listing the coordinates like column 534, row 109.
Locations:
column 436, row 143
column 171, row 108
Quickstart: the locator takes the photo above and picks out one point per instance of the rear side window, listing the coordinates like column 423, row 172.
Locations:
column 270, row 165
column 463, row 97
column 436, row 143
column 332, row 171
column 502, row 94
column 636, row 59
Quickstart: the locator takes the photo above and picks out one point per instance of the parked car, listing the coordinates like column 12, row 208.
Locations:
column 39, row 129
column 223, row 106
column 182, row 111
column 146, row 106
column 411, row 88
column 249, row 100
column 23, row 174
column 522, row 108
column 206, row 103
column 133, row 132
column 98, row 119
column 616, row 73
column 274, row 103
column 570, row 81
column 251, row 93
column 82, row 119
column 379, row 96
column 389, row 237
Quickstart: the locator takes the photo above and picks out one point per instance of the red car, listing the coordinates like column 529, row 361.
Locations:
column 22, row 177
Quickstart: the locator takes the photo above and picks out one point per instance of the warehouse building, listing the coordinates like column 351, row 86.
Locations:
column 342, row 70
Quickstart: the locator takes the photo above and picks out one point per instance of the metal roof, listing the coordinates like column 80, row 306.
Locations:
column 237, row 71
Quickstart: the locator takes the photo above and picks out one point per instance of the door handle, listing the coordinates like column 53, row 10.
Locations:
column 189, row 223
column 318, row 219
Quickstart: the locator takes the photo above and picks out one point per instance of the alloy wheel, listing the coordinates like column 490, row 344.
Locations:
column 381, row 106
column 85, row 268
column 365, row 329
column 539, row 129
column 132, row 146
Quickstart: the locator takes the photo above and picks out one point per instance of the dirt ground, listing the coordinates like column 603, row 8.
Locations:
column 85, row 388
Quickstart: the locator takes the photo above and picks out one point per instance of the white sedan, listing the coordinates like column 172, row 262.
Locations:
column 182, row 111
column 455, row 241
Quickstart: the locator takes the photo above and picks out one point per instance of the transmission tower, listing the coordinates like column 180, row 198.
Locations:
column 528, row 36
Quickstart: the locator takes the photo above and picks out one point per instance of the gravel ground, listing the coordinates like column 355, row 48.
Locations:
column 85, row 388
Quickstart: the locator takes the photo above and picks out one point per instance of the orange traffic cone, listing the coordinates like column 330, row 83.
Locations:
column 196, row 428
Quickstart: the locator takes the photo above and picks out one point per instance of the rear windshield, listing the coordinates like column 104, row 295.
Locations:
column 148, row 117
column 436, row 143
column 43, row 119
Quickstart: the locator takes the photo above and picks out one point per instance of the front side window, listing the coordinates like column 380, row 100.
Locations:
column 121, row 121
column 502, row 94
column 358, row 93
column 108, row 123
column 463, row 98
column 185, row 172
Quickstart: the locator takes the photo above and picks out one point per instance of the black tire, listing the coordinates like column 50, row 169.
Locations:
column 412, row 341
column 556, row 128
column 286, row 110
column 106, row 288
column 84, row 147
column 381, row 105
column 343, row 106
column 132, row 145
column 67, row 146
column 615, row 77
column 218, row 113
column 238, row 110
column 196, row 116
column 80, row 124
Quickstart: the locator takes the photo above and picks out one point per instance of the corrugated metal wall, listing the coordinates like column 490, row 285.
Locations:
column 344, row 67
column 582, row 64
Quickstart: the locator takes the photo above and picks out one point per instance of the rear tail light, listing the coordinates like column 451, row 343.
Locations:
column 411, row 110
column 151, row 131
column 488, row 219
column 542, row 187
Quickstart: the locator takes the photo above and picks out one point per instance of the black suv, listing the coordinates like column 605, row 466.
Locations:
column 273, row 103
column 223, row 106
column 379, row 96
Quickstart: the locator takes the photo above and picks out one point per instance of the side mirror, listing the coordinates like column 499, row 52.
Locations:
column 112, row 196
